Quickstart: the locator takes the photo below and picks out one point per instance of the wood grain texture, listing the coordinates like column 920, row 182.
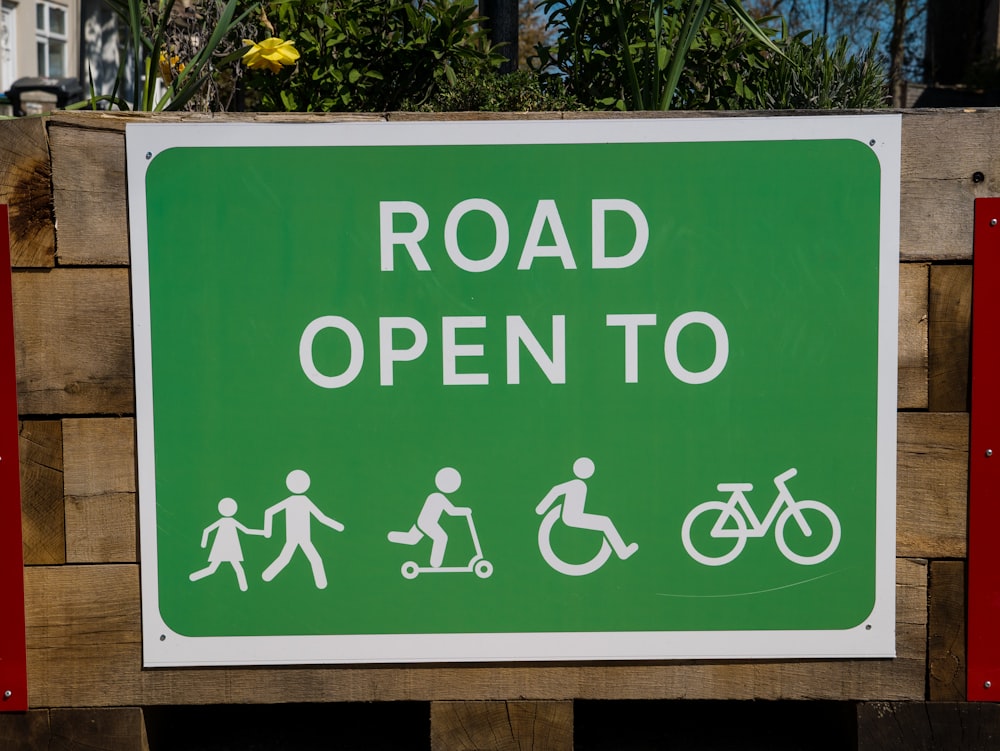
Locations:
column 100, row 490
column 950, row 338
column 73, row 342
column 943, row 150
column 99, row 455
column 120, row 729
column 502, row 725
column 24, row 731
column 117, row 121
column 946, row 631
column 101, row 528
column 89, row 196
column 932, row 484
column 83, row 632
column 928, row 726
column 26, row 185
column 42, row 520
column 911, row 387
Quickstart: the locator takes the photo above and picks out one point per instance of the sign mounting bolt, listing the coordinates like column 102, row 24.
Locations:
column 7, row 694
column 987, row 684
column 149, row 154
column 989, row 452
column 993, row 222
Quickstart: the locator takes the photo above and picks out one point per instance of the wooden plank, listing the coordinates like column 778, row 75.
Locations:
column 944, row 153
column 42, row 521
column 502, row 725
column 100, row 490
column 932, row 484
column 99, row 455
column 24, row 731
column 73, row 342
column 949, row 159
column 928, row 726
column 946, row 631
column 950, row 337
column 119, row 729
column 911, row 386
column 89, row 196
column 26, row 185
column 101, row 528
column 83, row 629
column 116, row 121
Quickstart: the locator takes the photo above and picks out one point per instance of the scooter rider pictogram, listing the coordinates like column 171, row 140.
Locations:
column 428, row 524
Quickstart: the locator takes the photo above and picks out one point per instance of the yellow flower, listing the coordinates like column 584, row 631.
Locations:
column 167, row 67
column 272, row 54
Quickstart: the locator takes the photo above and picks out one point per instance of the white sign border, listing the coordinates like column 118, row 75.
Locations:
column 163, row 647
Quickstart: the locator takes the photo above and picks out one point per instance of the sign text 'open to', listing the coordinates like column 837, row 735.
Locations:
column 517, row 334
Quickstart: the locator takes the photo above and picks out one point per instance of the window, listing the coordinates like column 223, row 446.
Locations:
column 8, row 52
column 50, row 36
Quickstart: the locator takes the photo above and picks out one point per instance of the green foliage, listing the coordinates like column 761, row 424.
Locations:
column 432, row 55
column 485, row 90
column 727, row 63
column 367, row 56
column 182, row 47
column 726, row 70
column 815, row 76
column 632, row 55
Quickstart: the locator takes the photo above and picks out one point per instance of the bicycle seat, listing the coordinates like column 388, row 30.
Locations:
column 733, row 487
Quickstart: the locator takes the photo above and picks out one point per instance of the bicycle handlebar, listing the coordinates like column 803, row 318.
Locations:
column 784, row 477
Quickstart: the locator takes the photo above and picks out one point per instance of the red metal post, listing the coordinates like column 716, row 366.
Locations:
column 13, row 668
column 984, row 460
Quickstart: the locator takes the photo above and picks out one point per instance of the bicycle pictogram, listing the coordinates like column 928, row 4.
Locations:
column 737, row 511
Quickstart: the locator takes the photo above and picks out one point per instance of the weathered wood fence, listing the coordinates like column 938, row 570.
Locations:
column 64, row 178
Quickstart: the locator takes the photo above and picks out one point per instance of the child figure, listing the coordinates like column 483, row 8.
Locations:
column 226, row 547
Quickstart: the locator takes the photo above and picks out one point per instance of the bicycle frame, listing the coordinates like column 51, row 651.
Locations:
column 757, row 528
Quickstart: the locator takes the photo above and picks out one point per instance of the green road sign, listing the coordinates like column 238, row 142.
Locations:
column 516, row 391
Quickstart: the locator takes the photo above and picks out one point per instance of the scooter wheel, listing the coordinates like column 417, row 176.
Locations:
column 483, row 569
column 410, row 570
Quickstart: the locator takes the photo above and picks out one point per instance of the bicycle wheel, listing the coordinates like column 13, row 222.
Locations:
column 831, row 521
column 738, row 536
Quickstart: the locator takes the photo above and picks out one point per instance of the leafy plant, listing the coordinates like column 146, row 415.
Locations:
column 728, row 70
column 368, row 56
column 182, row 47
column 617, row 54
column 814, row 75
column 485, row 90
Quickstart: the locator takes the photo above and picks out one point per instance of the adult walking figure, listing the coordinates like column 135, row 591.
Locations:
column 573, row 515
column 299, row 512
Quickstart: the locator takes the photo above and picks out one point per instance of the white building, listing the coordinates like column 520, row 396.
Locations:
column 39, row 38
